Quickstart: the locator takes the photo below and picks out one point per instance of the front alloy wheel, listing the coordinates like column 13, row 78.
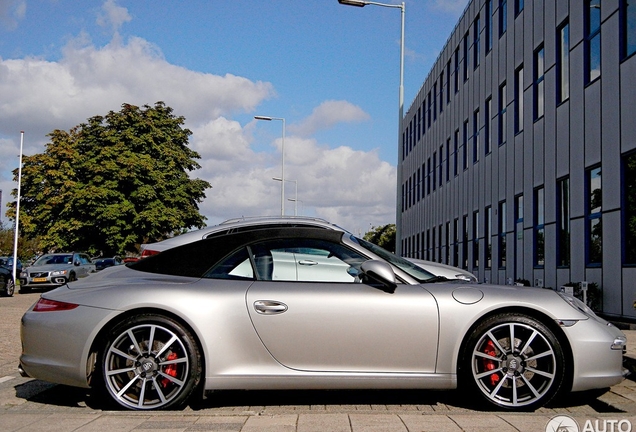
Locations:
column 9, row 287
column 516, row 362
column 151, row 362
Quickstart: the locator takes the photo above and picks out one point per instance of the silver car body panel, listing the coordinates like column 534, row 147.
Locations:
column 449, row 272
column 417, row 347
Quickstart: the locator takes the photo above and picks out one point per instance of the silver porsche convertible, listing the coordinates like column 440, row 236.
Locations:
column 289, row 307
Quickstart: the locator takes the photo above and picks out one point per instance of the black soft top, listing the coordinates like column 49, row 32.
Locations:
column 195, row 259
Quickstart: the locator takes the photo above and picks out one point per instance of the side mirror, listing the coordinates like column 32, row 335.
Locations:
column 378, row 273
column 77, row 263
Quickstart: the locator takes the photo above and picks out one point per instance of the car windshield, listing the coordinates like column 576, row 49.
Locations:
column 53, row 259
column 413, row 270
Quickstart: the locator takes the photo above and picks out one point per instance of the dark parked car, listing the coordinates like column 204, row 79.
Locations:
column 7, row 285
column 287, row 307
column 102, row 263
column 7, row 262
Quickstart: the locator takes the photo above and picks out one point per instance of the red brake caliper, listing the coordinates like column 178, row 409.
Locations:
column 170, row 369
column 490, row 364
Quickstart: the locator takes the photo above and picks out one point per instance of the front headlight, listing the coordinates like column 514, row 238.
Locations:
column 578, row 305
column 59, row 273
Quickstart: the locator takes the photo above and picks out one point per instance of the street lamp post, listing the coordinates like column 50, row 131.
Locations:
column 398, row 223
column 282, row 151
column 17, row 212
column 296, row 184
column 297, row 201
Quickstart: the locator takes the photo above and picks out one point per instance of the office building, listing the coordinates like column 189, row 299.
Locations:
column 518, row 155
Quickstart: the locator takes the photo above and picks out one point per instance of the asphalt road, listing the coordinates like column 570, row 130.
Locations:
column 27, row 404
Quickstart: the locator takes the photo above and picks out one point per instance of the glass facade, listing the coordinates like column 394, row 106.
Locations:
column 539, row 83
column 503, row 122
column 594, row 227
column 592, row 40
column 531, row 206
column 519, row 99
column 563, row 62
column 629, row 209
column 501, row 252
column 628, row 27
column 539, row 227
column 563, row 222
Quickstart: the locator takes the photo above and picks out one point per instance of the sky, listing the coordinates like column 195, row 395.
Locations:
column 331, row 71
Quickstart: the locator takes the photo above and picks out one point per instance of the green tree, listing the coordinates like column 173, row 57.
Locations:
column 112, row 183
column 27, row 248
column 383, row 236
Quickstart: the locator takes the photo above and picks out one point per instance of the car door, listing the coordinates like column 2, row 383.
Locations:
column 340, row 326
column 84, row 267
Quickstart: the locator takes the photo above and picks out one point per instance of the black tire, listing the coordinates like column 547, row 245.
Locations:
column 8, row 287
column 149, row 362
column 72, row 277
column 523, row 375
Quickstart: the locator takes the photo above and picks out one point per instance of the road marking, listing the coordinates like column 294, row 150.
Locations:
column 6, row 378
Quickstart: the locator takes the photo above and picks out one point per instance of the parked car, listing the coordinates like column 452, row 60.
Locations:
column 241, row 224
column 7, row 284
column 7, row 262
column 53, row 270
column 102, row 263
column 289, row 307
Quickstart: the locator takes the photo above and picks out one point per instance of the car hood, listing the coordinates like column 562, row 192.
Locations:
column 49, row 267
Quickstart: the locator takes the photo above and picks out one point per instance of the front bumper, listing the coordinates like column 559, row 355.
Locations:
column 42, row 281
column 597, row 350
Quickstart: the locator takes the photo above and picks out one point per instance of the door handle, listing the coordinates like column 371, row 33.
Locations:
column 307, row 262
column 269, row 307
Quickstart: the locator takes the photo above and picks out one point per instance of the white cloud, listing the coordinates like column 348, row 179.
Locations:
column 88, row 81
column 113, row 16
column 11, row 12
column 451, row 6
column 353, row 188
column 327, row 115
column 349, row 187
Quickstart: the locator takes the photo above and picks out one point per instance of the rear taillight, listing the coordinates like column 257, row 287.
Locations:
column 148, row 252
column 45, row 305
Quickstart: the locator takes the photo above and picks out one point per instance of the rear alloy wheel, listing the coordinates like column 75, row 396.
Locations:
column 150, row 362
column 514, row 362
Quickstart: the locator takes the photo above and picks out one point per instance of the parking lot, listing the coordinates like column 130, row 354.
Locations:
column 28, row 404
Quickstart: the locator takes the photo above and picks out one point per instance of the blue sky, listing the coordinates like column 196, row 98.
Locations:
column 331, row 71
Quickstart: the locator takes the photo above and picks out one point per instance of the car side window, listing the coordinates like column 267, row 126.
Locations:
column 235, row 266
column 305, row 260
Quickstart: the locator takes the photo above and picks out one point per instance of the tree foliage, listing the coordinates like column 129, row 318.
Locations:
column 27, row 248
column 383, row 236
column 112, row 183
